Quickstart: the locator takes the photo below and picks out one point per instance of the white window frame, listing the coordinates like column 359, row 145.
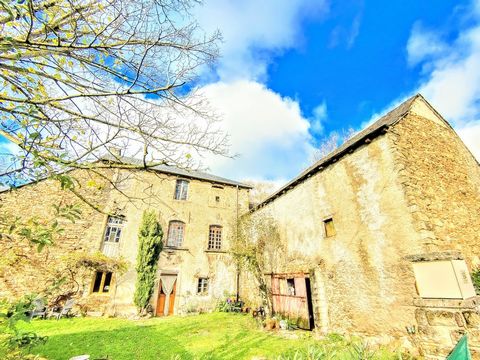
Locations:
column 113, row 229
column 181, row 189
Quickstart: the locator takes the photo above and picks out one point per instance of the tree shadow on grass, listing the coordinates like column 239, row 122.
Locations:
column 127, row 343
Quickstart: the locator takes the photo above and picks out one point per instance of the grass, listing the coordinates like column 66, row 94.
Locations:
column 209, row 336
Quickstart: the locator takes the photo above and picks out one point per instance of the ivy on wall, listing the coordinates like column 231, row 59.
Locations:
column 149, row 247
column 476, row 280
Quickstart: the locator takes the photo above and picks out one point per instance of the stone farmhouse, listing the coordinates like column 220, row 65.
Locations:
column 197, row 211
column 379, row 237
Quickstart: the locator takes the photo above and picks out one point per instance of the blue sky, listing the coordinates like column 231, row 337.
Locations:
column 327, row 66
column 294, row 71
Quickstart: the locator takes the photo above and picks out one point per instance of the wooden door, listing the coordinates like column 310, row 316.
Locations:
column 161, row 300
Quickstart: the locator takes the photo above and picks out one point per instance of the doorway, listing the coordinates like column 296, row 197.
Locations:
column 311, row 319
column 166, row 295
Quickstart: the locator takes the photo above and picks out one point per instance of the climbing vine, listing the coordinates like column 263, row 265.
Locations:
column 149, row 248
column 476, row 280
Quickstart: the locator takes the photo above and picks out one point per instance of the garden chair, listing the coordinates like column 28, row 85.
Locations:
column 39, row 309
column 65, row 311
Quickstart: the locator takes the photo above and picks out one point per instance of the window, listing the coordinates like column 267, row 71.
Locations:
column 181, row 190
column 217, row 199
column 329, row 227
column 113, row 230
column 176, row 231
column 215, row 237
column 291, row 286
column 202, row 286
column 102, row 282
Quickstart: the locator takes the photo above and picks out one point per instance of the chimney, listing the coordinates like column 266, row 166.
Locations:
column 115, row 151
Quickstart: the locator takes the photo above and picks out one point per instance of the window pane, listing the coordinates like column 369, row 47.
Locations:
column 215, row 237
column 202, row 285
column 181, row 190
column 106, row 284
column 98, row 280
column 113, row 229
column 176, row 231
column 329, row 227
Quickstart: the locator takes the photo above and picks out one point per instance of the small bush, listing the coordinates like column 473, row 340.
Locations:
column 336, row 346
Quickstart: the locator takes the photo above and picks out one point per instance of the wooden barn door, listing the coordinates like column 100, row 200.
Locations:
column 167, row 283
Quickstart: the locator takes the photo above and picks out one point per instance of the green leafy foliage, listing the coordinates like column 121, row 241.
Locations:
column 257, row 248
column 13, row 339
column 149, row 247
column 40, row 232
column 476, row 280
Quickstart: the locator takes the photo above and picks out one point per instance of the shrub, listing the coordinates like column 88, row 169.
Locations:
column 149, row 248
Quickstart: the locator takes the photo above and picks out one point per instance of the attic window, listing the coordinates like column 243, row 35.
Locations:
column 329, row 227
column 181, row 189
column 217, row 199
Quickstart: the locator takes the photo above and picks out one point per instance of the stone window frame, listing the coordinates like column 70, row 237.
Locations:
column 203, row 285
column 178, row 241
column 215, row 235
column 102, row 279
column 217, row 196
column 181, row 189
column 113, row 229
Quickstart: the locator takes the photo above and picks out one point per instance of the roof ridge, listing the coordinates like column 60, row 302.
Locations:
column 388, row 119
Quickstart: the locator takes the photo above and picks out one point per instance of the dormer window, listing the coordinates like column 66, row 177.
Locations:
column 181, row 189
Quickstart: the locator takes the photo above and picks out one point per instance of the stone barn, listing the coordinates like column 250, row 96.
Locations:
column 385, row 230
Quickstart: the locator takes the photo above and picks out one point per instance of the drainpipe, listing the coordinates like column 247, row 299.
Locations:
column 236, row 238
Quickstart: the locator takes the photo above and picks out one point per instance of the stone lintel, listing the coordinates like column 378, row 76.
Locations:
column 435, row 256
column 471, row 303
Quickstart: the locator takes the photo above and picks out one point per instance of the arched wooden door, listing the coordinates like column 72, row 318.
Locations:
column 160, row 311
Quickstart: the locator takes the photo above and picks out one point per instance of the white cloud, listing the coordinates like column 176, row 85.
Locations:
column 423, row 44
column 452, row 84
column 267, row 131
column 252, row 30
column 319, row 116
column 451, row 80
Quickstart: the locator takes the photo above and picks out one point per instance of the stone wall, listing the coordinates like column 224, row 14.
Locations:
column 155, row 191
column 23, row 269
column 441, row 323
column 360, row 274
column 135, row 192
column 441, row 180
column 413, row 191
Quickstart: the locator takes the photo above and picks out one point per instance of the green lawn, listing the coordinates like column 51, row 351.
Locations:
column 209, row 336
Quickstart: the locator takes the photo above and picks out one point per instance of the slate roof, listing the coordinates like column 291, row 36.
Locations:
column 173, row 170
column 370, row 132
